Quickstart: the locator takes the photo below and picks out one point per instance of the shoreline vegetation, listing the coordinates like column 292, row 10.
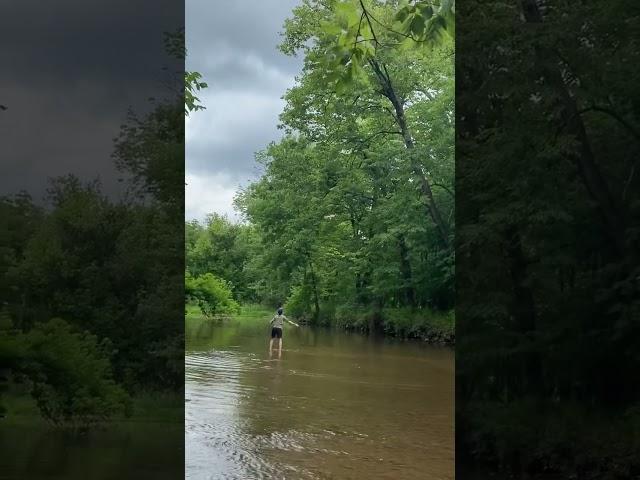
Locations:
column 21, row 409
column 351, row 223
column 90, row 323
column 436, row 328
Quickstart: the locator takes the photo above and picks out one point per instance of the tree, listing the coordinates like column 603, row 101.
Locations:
column 547, row 237
column 193, row 84
column 211, row 294
column 348, row 31
column 175, row 46
column 382, row 76
column 69, row 372
column 109, row 270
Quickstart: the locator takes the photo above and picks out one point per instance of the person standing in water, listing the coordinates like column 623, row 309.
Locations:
column 277, row 322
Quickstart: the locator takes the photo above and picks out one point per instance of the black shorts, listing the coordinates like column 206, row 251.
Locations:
column 276, row 332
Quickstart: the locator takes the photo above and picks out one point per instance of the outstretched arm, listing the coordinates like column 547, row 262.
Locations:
column 292, row 323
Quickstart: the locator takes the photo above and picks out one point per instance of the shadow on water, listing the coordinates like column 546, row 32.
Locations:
column 127, row 451
column 335, row 405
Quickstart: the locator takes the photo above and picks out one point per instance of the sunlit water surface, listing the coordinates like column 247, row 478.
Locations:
column 334, row 406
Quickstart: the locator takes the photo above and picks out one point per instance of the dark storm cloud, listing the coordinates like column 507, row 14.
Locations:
column 246, row 26
column 235, row 125
column 235, row 48
column 70, row 70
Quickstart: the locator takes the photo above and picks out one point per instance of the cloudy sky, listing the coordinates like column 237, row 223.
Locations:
column 235, row 49
column 70, row 70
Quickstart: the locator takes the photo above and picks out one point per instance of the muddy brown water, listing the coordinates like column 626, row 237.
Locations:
column 134, row 451
column 333, row 406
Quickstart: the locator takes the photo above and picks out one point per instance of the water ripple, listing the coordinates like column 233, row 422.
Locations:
column 313, row 416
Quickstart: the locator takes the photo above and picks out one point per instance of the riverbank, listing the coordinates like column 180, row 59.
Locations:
column 247, row 312
column 570, row 441
column 149, row 444
column 147, row 407
column 436, row 328
column 319, row 410
column 425, row 325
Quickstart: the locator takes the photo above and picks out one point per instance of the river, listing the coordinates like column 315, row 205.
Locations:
column 333, row 406
column 131, row 451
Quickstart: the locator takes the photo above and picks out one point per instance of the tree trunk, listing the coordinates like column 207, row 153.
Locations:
column 316, row 301
column 408, row 293
column 425, row 187
column 584, row 160
column 524, row 311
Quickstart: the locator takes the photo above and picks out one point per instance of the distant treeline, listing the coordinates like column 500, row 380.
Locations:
column 548, row 239
column 92, row 288
column 354, row 213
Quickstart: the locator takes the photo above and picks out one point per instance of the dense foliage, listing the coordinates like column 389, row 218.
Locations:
column 69, row 372
column 212, row 295
column 353, row 32
column 111, row 274
column 356, row 203
column 355, row 210
column 548, row 237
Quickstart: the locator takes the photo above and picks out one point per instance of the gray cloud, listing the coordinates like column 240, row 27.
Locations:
column 246, row 26
column 235, row 125
column 235, row 50
column 70, row 70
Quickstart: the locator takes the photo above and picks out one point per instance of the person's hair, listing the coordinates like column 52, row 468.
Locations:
column 280, row 311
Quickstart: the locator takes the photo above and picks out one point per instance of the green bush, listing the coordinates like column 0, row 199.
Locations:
column 432, row 326
column 212, row 294
column 422, row 323
column 68, row 372
column 298, row 304
column 358, row 319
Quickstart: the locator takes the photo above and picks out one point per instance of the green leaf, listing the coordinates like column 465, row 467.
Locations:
column 331, row 28
column 347, row 14
column 425, row 9
column 402, row 14
column 417, row 25
column 446, row 7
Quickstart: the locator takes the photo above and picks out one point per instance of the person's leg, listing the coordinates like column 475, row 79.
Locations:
column 280, row 344
column 271, row 343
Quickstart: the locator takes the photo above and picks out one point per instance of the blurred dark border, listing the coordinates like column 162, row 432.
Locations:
column 92, row 239
column 548, row 230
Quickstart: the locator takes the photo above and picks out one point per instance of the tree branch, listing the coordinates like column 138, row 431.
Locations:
column 445, row 188
column 388, row 28
column 628, row 182
column 366, row 14
column 384, row 132
column 613, row 114
column 355, row 42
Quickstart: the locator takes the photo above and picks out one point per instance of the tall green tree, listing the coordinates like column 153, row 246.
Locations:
column 387, row 80
column 89, row 282
column 547, row 237
column 366, row 169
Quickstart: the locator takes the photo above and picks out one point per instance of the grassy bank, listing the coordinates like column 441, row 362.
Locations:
column 146, row 407
column 247, row 312
column 425, row 325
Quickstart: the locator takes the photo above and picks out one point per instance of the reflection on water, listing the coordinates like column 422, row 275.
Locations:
column 334, row 406
column 125, row 452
